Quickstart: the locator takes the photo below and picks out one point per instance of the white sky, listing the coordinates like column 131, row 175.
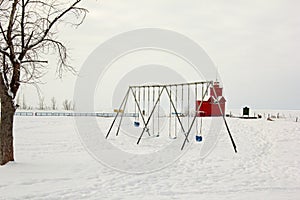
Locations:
column 254, row 43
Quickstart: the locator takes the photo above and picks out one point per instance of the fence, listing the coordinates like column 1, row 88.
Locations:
column 72, row 114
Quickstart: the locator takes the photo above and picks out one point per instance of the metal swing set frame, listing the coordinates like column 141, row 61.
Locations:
column 133, row 90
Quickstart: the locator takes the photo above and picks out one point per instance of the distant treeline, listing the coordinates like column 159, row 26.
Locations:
column 65, row 105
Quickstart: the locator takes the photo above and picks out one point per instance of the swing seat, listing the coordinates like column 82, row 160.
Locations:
column 136, row 124
column 198, row 138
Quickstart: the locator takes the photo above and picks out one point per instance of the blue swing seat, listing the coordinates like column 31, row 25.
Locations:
column 136, row 124
column 198, row 138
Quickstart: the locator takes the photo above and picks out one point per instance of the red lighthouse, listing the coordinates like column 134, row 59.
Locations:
column 210, row 107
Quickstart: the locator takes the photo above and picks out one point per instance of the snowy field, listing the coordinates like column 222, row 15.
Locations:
column 51, row 163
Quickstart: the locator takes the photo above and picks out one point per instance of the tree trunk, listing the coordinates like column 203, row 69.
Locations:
column 6, row 130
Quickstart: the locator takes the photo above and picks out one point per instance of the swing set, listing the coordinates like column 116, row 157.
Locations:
column 147, row 104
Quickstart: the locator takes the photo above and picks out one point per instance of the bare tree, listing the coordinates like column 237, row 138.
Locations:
column 53, row 103
column 67, row 105
column 28, row 33
column 42, row 105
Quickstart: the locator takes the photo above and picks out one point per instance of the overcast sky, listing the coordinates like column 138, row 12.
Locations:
column 255, row 44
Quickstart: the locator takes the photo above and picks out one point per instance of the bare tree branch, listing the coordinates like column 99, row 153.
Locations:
column 28, row 30
column 46, row 32
column 4, row 53
column 34, row 61
column 10, row 27
column 3, row 32
column 22, row 25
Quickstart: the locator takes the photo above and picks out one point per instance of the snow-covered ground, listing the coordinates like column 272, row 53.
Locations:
column 51, row 163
